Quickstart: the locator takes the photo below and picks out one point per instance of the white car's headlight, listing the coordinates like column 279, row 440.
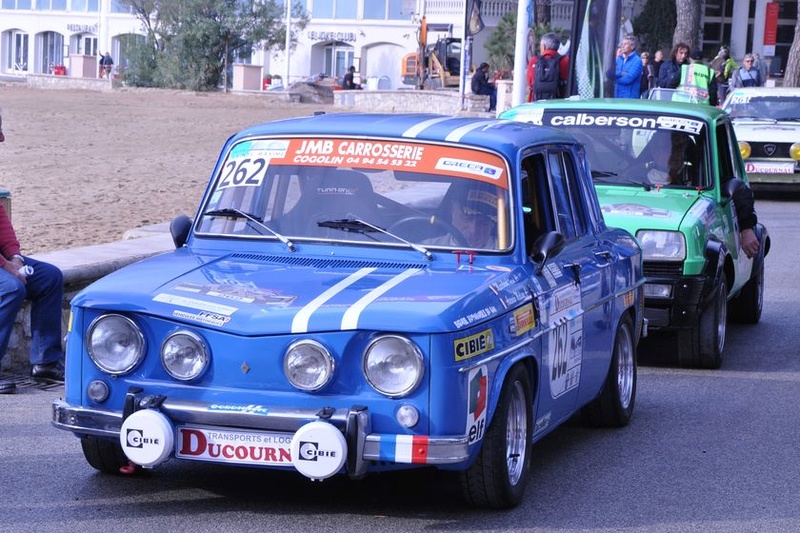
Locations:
column 662, row 245
column 308, row 365
column 115, row 343
column 185, row 355
column 794, row 151
column 393, row 365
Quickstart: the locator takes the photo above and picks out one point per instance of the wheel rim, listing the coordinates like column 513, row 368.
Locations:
column 722, row 316
column 625, row 367
column 516, row 431
column 760, row 290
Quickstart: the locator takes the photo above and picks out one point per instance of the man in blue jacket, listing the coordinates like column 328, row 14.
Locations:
column 629, row 70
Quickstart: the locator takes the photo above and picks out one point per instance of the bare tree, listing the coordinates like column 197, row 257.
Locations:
column 687, row 29
column 791, row 76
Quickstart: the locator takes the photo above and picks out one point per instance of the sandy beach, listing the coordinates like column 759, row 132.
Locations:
column 83, row 167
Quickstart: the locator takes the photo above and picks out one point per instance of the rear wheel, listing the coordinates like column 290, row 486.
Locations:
column 498, row 477
column 746, row 308
column 104, row 455
column 614, row 406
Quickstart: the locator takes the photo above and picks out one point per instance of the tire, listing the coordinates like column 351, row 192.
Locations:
column 713, row 326
column 746, row 308
column 103, row 454
column 499, row 474
column 614, row 406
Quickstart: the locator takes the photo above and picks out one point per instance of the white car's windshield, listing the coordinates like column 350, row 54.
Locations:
column 337, row 190
column 767, row 107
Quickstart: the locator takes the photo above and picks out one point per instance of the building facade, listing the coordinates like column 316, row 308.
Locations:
column 49, row 36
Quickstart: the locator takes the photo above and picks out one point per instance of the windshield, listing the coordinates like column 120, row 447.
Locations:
column 768, row 107
column 407, row 194
column 637, row 149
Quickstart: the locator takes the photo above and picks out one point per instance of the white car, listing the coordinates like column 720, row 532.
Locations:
column 767, row 125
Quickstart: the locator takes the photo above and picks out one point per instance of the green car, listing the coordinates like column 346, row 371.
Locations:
column 672, row 175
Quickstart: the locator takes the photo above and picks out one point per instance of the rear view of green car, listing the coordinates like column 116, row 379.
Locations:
column 668, row 173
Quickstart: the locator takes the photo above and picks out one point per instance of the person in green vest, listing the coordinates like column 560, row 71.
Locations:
column 696, row 81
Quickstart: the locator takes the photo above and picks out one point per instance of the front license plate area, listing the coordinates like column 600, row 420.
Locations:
column 224, row 445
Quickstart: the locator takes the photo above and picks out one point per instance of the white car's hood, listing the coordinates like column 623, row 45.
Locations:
column 762, row 131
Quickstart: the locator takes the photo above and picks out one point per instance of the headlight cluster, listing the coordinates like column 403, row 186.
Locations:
column 115, row 343
column 392, row 365
column 662, row 245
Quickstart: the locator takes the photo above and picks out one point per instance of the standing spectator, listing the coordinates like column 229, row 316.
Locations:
column 669, row 76
column 696, row 79
column 480, row 84
column 723, row 67
column 645, row 79
column 747, row 75
column 658, row 60
column 106, row 64
column 43, row 284
column 349, row 83
column 628, row 73
column 547, row 72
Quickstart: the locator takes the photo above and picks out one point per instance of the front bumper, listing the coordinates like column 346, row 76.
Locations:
column 363, row 446
column 682, row 308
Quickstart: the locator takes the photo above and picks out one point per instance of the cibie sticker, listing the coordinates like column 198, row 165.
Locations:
column 478, row 386
column 473, row 345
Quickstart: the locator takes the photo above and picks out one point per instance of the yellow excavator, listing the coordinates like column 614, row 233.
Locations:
column 436, row 65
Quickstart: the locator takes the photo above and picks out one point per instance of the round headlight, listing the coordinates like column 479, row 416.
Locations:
column 794, row 151
column 744, row 149
column 308, row 365
column 184, row 355
column 115, row 343
column 393, row 365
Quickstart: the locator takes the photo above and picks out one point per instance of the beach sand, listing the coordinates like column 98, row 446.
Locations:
column 83, row 167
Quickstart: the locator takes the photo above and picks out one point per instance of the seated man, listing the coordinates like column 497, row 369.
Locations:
column 43, row 284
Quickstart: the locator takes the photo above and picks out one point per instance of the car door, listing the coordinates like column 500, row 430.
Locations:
column 563, row 280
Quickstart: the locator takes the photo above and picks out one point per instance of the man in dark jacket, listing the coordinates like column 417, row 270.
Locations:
column 481, row 85
column 669, row 75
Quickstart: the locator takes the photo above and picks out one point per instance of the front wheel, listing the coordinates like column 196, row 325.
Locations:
column 614, row 406
column 713, row 327
column 498, row 477
column 104, row 455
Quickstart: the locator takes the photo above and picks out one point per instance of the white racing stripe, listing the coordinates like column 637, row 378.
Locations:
column 350, row 318
column 457, row 134
column 300, row 321
column 417, row 129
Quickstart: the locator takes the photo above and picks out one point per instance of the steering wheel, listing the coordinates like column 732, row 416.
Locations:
column 427, row 224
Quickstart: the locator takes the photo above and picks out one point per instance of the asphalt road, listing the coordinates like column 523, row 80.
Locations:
column 706, row 451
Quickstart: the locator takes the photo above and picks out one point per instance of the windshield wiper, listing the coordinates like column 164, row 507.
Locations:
column 603, row 174
column 236, row 213
column 360, row 226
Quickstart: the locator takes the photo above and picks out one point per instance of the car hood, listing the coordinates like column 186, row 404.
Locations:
column 635, row 208
column 760, row 131
column 257, row 294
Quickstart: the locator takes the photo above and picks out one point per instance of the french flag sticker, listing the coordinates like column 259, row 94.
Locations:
column 404, row 449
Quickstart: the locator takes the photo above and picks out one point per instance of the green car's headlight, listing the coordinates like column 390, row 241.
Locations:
column 393, row 365
column 662, row 245
column 115, row 343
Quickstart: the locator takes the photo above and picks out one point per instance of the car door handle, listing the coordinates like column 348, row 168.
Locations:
column 576, row 271
column 605, row 255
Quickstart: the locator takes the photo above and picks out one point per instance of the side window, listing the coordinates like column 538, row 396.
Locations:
column 566, row 194
column 537, row 213
column 725, row 153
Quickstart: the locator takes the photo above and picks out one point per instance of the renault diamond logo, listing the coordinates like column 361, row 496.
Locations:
column 770, row 149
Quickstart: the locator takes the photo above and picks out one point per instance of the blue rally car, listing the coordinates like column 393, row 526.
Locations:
column 362, row 293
